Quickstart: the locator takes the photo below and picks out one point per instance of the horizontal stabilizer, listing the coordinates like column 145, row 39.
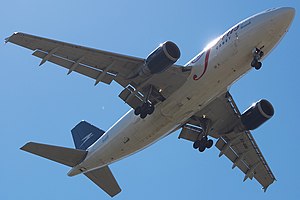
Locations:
column 105, row 180
column 66, row 156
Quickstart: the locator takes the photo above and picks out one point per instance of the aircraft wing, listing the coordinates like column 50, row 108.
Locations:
column 103, row 66
column 238, row 146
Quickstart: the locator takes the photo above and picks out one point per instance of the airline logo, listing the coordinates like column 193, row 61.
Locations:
column 86, row 138
column 197, row 77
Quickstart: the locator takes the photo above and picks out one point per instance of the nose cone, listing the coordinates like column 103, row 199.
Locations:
column 283, row 16
column 277, row 21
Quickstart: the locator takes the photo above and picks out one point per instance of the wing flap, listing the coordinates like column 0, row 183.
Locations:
column 79, row 68
column 247, row 158
column 229, row 152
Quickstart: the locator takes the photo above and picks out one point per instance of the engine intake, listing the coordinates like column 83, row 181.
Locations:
column 257, row 114
column 163, row 57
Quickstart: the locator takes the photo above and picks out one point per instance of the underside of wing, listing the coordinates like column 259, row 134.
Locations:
column 244, row 153
column 153, row 79
column 221, row 119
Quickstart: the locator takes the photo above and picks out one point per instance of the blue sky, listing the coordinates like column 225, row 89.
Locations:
column 43, row 104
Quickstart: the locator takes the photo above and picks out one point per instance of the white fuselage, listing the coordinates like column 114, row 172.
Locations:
column 214, row 70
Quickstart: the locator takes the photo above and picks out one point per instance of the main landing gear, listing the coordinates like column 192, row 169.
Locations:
column 203, row 143
column 257, row 55
column 146, row 108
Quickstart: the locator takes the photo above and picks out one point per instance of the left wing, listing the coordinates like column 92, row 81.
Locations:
column 103, row 66
column 239, row 146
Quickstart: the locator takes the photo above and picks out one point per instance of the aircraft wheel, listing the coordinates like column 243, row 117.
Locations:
column 201, row 148
column 196, row 144
column 143, row 115
column 150, row 109
column 138, row 110
column 202, row 145
column 209, row 143
column 258, row 66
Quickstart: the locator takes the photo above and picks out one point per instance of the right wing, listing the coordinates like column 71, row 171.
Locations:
column 239, row 146
column 105, row 67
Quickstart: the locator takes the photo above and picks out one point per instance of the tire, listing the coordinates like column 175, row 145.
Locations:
column 138, row 110
column 201, row 148
column 202, row 145
column 150, row 109
column 209, row 143
column 143, row 115
column 196, row 144
column 258, row 65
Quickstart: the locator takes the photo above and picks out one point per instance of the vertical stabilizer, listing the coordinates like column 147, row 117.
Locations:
column 85, row 134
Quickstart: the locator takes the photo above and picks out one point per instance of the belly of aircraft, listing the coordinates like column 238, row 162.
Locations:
column 132, row 134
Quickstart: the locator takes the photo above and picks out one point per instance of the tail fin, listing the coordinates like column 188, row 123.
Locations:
column 84, row 135
column 63, row 155
column 105, row 180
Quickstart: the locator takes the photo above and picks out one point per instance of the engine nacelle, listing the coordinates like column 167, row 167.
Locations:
column 257, row 114
column 163, row 57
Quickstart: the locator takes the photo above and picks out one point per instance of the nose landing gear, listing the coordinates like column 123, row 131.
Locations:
column 257, row 55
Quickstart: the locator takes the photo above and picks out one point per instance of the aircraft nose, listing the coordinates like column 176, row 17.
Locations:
column 279, row 20
column 284, row 15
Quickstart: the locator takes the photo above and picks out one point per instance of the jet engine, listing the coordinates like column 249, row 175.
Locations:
column 257, row 114
column 163, row 57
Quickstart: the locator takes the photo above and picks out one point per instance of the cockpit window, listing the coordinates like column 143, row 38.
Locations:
column 269, row 10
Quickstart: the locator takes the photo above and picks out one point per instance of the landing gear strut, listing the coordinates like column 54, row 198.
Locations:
column 146, row 108
column 257, row 55
column 203, row 142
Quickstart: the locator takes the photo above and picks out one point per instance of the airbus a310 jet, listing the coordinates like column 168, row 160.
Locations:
column 166, row 97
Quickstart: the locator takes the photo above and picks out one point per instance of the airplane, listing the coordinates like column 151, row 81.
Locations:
column 165, row 97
